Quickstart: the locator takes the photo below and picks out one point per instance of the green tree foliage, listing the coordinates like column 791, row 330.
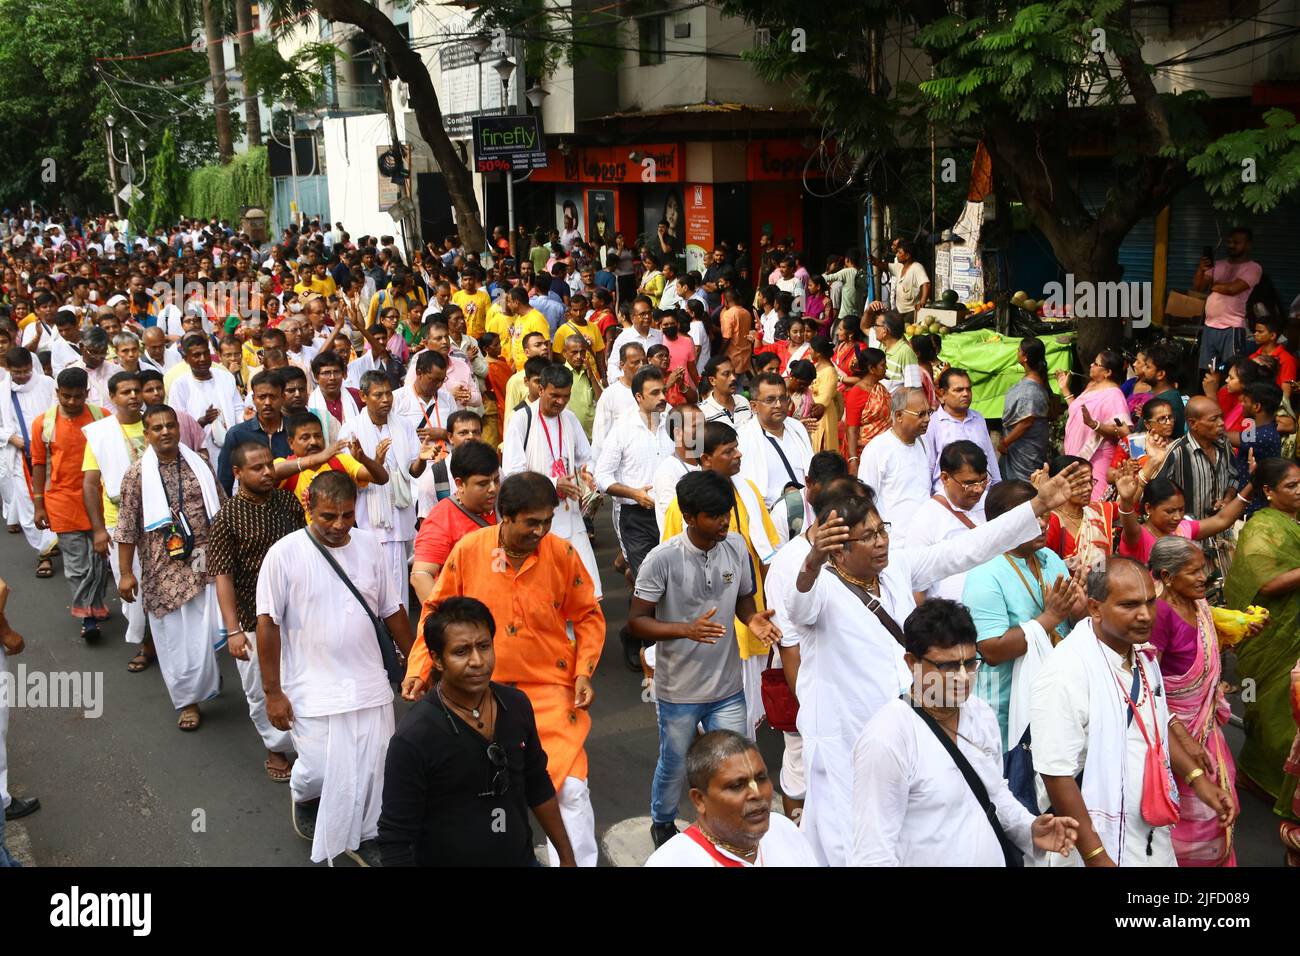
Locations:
column 298, row 80
column 225, row 191
column 53, row 101
column 164, row 189
column 1255, row 168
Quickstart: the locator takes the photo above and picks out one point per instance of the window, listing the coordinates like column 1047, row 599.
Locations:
column 651, row 32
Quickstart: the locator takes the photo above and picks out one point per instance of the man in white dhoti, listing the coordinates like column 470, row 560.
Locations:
column 896, row 463
column 26, row 395
column 169, row 498
column 547, row 438
column 208, row 393
column 1098, row 707
column 112, row 446
column 735, row 826
column 847, row 611
column 909, row 807
column 389, row 509
column 323, row 670
column 957, row 506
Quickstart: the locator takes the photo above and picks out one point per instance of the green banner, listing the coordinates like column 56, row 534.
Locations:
column 990, row 359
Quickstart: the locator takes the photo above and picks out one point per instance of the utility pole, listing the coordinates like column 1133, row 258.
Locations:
column 876, row 214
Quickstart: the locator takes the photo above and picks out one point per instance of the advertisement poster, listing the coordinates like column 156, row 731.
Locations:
column 663, row 203
column 699, row 226
column 602, row 217
column 568, row 206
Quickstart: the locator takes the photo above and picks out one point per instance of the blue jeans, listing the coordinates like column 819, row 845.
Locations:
column 1223, row 345
column 5, row 859
column 676, row 734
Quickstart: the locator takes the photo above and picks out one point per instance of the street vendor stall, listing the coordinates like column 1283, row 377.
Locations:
column 990, row 359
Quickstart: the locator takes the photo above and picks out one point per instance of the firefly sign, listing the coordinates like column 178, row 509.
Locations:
column 503, row 143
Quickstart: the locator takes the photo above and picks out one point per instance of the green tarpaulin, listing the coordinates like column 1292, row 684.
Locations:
column 990, row 360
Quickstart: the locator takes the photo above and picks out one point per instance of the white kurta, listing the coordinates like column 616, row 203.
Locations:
column 899, row 474
column 761, row 463
column 197, row 396
column 930, row 524
column 34, row 399
column 782, row 845
column 187, row 640
column 613, row 402
column 1076, row 704
column 912, row 806
column 850, row 665
column 568, row 443
column 332, row 672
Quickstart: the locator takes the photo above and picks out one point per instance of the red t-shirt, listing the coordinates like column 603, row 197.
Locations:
column 1286, row 370
column 441, row 529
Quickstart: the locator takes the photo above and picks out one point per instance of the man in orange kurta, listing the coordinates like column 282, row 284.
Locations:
column 549, row 635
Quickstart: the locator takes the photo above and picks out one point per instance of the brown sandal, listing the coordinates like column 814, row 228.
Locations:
column 45, row 568
column 190, row 719
column 141, row 662
column 278, row 774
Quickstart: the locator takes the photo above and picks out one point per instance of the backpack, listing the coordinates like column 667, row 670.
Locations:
column 47, row 430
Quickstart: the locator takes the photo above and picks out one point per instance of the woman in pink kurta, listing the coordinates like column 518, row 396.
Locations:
column 1098, row 417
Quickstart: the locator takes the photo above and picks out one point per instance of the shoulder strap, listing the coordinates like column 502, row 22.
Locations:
column 347, row 583
column 1010, row 852
column 47, row 424
column 785, row 461
column 528, row 426
column 477, row 519
column 872, row 604
column 960, row 516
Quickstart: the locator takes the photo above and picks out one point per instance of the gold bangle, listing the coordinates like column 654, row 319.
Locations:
column 1101, row 848
column 1198, row 772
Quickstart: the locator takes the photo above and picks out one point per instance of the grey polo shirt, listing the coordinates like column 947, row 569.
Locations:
column 684, row 582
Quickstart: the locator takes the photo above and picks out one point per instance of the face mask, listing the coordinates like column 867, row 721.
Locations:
column 295, row 307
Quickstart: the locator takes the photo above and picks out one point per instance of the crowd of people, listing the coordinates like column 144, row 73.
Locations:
column 983, row 646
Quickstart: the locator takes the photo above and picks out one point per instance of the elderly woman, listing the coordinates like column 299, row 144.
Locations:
column 1187, row 645
column 1266, row 571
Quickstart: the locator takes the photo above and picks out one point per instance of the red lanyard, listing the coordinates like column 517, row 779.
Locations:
column 558, row 468
column 695, row 834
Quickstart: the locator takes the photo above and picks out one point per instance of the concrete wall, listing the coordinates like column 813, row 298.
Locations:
column 353, row 174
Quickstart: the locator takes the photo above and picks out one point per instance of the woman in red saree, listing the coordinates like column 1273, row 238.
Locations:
column 866, row 408
column 1186, row 641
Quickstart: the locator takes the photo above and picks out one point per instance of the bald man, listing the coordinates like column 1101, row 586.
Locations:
column 153, row 351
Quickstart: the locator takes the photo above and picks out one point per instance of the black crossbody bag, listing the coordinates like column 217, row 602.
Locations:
column 387, row 648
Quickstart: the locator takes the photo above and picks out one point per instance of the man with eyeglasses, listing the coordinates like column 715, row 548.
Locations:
column 1022, row 602
column 955, row 508
column 774, row 454
column 640, row 332
column 451, row 795
column 909, row 807
column 94, row 359
column 954, row 420
column 896, row 463
column 851, row 590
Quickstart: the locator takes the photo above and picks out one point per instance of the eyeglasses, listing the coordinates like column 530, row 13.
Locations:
column 870, row 535
column 972, row 485
column 773, row 400
column 501, row 779
column 951, row 667
column 924, row 414
column 1164, row 420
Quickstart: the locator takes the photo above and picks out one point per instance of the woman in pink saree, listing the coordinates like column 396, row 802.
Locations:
column 1185, row 638
column 1098, row 418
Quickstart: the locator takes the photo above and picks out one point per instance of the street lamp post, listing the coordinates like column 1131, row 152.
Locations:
column 112, row 165
column 505, row 69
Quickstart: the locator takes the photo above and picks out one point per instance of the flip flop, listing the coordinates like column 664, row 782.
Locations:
column 278, row 775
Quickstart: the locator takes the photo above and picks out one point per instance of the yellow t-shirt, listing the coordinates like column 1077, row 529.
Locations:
column 300, row 483
column 476, row 308
column 595, row 342
column 512, row 341
column 134, row 435
column 516, row 392
column 326, row 286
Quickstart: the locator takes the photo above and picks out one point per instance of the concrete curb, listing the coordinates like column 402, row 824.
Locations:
column 19, row 843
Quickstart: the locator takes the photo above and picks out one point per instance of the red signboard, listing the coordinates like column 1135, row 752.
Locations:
column 615, row 164
column 777, row 159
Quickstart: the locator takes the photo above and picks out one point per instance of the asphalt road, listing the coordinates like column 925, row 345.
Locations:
column 127, row 788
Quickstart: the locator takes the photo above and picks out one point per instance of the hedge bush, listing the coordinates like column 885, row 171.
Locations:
column 224, row 191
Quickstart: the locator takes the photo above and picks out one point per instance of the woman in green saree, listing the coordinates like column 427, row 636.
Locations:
column 1266, row 571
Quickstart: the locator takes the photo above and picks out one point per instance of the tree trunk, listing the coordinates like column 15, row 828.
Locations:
column 217, row 71
column 1035, row 162
column 410, row 67
column 252, row 112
